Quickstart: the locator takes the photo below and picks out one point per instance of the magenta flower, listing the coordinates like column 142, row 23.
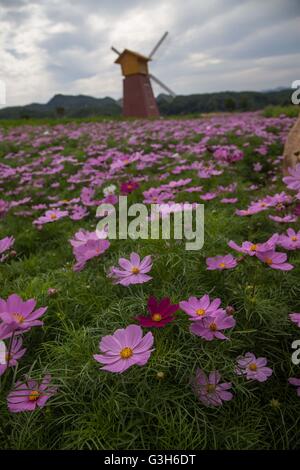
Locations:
column 197, row 308
column 133, row 271
column 4, row 207
column 210, row 326
column 125, row 348
column 209, row 390
column 283, row 220
column 30, row 395
column 161, row 313
column 295, row 318
column 127, row 188
column 253, row 368
column 16, row 352
column 221, row 262
column 296, row 382
column 275, row 260
column 18, row 315
column 251, row 249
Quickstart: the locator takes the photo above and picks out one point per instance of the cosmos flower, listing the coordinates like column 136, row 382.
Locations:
column 250, row 248
column 5, row 244
column 290, row 241
column 125, row 348
column 210, row 326
column 295, row 318
column 127, row 188
column 133, row 271
column 4, row 206
column 18, row 315
column 197, row 308
column 253, row 368
column 283, row 220
column 275, row 260
column 87, row 245
column 296, row 382
column 16, row 352
column 221, row 262
column 227, row 200
column 50, row 216
column 209, row 390
column 293, row 180
column 30, row 395
column 161, row 313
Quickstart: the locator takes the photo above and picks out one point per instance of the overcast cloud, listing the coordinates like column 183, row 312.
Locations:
column 63, row 46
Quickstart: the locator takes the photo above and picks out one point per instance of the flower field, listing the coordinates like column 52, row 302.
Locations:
column 142, row 344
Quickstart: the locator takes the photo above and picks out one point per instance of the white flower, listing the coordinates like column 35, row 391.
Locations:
column 109, row 190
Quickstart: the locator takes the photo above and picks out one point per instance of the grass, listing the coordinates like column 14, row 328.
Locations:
column 137, row 410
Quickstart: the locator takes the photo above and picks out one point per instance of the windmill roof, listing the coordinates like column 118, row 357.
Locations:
column 128, row 51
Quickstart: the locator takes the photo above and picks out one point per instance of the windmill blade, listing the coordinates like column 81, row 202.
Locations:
column 162, row 85
column 115, row 50
column 158, row 44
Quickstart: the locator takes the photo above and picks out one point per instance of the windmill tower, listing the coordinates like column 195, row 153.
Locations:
column 138, row 96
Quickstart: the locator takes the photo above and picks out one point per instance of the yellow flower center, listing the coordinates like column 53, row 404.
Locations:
column 213, row 327
column 221, row 265
column 294, row 239
column 156, row 317
column 34, row 395
column 210, row 388
column 263, row 204
column 8, row 357
column 253, row 247
column 53, row 216
column 268, row 260
column 18, row 317
column 253, row 366
column 200, row 311
column 126, row 353
column 135, row 270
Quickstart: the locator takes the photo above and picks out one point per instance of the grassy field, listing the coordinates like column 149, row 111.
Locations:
column 44, row 167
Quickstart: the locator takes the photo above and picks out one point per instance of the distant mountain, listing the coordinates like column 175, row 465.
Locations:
column 82, row 106
column 64, row 106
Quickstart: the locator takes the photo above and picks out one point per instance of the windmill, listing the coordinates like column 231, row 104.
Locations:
column 138, row 97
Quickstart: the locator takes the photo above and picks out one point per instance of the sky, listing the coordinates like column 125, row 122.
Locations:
column 63, row 46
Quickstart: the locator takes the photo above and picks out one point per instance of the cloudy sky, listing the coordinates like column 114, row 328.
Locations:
column 63, row 46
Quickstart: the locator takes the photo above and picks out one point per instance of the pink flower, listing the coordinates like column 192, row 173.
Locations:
column 293, row 181
column 209, row 390
column 275, row 260
column 4, row 206
column 295, row 318
column 251, row 249
column 296, row 382
column 227, row 200
column 125, row 348
column 87, row 245
column 30, row 395
column 17, row 315
column 253, row 368
column 221, row 262
column 51, row 216
column 5, row 244
column 133, row 271
column 197, row 308
column 161, row 313
column 210, row 326
column 16, row 352
column 283, row 220
column 291, row 241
